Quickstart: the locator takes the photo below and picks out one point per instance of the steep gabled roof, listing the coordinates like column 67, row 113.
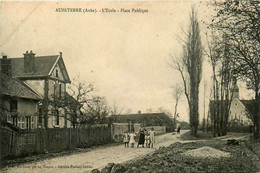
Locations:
column 44, row 66
column 16, row 88
column 250, row 106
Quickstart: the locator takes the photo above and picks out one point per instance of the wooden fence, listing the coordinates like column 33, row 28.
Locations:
column 24, row 143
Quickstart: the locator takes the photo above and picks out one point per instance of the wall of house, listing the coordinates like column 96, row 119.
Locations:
column 237, row 111
column 37, row 85
column 27, row 107
column 56, row 83
column 52, row 119
column 58, row 69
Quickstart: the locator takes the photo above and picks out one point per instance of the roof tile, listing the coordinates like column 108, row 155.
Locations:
column 15, row 88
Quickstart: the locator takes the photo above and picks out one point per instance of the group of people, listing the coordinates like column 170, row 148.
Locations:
column 146, row 138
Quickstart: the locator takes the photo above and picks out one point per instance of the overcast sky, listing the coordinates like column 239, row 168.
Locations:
column 125, row 55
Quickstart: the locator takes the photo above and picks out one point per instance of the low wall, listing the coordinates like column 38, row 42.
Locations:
column 118, row 129
column 157, row 129
column 24, row 143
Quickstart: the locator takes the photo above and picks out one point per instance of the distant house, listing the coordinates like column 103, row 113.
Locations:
column 240, row 110
column 19, row 104
column 47, row 76
column 147, row 119
column 182, row 124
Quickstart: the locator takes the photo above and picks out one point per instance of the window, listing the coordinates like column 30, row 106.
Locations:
column 13, row 105
column 57, row 122
column 23, row 119
column 57, row 90
column 54, row 90
column 27, row 122
column 40, row 115
column 60, row 91
column 32, row 122
column 19, row 122
column 57, row 73
column 9, row 119
column 14, row 120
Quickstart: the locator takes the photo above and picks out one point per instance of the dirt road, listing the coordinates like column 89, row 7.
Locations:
column 97, row 158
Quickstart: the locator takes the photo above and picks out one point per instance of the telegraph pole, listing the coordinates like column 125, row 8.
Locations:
column 204, row 107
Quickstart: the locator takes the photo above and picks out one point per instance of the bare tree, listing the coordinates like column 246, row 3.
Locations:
column 219, row 56
column 74, row 102
column 97, row 111
column 191, row 64
column 150, row 110
column 115, row 110
column 177, row 92
column 129, row 111
column 239, row 21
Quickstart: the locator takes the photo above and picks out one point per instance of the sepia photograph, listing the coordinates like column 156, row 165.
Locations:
column 130, row 86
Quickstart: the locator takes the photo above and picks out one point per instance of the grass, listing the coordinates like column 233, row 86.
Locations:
column 200, row 136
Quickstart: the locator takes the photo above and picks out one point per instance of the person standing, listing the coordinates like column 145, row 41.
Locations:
column 147, row 139
column 141, row 138
column 126, row 139
column 132, row 139
column 152, row 137
column 179, row 130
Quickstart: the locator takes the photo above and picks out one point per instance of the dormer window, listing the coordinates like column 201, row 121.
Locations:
column 57, row 73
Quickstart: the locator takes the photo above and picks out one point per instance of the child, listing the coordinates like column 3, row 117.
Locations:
column 147, row 140
column 132, row 139
column 126, row 139
column 152, row 137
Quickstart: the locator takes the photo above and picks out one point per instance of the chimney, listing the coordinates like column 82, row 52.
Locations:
column 6, row 66
column 139, row 112
column 29, row 65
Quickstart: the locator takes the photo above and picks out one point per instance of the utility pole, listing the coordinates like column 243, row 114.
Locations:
column 205, row 84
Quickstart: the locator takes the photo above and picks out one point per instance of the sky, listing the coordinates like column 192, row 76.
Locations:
column 125, row 55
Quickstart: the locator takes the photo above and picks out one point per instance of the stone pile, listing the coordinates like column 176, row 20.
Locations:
column 205, row 152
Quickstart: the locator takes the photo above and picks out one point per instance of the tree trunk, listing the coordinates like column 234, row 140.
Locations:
column 257, row 131
column 193, row 130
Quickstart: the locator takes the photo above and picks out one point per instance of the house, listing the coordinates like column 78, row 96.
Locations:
column 47, row 76
column 19, row 104
column 240, row 110
column 182, row 124
column 147, row 119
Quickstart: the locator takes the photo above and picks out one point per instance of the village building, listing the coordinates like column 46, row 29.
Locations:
column 240, row 110
column 19, row 104
column 47, row 77
column 146, row 119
